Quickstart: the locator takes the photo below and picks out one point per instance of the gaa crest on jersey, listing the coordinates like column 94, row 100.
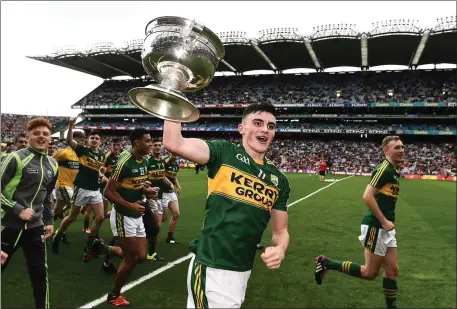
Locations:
column 274, row 179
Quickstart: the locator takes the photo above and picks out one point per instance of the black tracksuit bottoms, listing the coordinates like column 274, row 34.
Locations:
column 34, row 247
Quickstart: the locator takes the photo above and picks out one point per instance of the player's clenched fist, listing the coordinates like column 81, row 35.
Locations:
column 272, row 257
column 72, row 121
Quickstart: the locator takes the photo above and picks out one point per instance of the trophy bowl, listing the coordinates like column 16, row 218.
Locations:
column 181, row 55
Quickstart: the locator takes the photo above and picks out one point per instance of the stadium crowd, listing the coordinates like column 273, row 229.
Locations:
column 361, row 156
column 344, row 156
column 202, row 125
column 399, row 87
column 13, row 125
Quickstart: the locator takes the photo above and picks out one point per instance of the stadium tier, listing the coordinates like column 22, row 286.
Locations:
column 327, row 108
column 404, row 103
column 398, row 42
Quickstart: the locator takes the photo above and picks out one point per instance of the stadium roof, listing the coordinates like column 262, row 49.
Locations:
column 395, row 42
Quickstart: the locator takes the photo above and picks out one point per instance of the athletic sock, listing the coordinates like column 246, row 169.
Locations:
column 90, row 242
column 390, row 292
column 152, row 245
column 346, row 267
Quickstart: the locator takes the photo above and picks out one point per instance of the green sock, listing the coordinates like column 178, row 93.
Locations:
column 346, row 267
column 90, row 242
column 152, row 245
column 86, row 223
column 390, row 292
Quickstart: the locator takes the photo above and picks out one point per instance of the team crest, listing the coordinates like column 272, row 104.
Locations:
column 274, row 180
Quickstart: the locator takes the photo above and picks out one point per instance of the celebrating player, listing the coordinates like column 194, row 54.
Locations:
column 68, row 169
column 126, row 190
column 170, row 197
column 27, row 217
column 245, row 190
column 87, row 191
column 156, row 175
column 377, row 229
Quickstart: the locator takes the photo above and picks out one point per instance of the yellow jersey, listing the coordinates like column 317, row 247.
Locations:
column 68, row 167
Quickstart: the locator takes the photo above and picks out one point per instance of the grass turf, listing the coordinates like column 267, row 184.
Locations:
column 326, row 223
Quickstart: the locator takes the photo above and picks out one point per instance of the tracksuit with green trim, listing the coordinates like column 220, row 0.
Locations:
column 27, row 180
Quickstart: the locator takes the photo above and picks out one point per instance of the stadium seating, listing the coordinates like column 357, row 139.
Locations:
column 358, row 87
column 13, row 124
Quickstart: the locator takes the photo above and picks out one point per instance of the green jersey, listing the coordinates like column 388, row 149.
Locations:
column 241, row 195
column 131, row 174
column 386, row 178
column 110, row 161
column 89, row 166
column 156, row 173
column 171, row 170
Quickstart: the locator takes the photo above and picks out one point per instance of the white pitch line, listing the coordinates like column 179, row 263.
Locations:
column 160, row 270
column 140, row 280
column 311, row 194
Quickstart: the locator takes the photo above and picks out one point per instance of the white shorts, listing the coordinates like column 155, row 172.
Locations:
column 377, row 240
column 156, row 206
column 82, row 197
column 63, row 193
column 167, row 198
column 222, row 288
column 123, row 226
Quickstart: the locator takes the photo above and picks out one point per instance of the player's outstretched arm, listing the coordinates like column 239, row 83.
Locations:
column 193, row 149
column 70, row 141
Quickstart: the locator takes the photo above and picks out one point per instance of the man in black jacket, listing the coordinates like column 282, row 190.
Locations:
column 28, row 177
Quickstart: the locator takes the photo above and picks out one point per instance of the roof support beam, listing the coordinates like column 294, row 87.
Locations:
column 228, row 65
column 109, row 66
column 312, row 54
column 364, row 51
column 262, row 54
column 131, row 58
column 420, row 49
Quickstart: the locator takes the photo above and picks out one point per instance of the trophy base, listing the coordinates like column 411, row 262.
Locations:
column 164, row 103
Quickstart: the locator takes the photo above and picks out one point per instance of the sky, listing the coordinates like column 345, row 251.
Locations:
column 37, row 28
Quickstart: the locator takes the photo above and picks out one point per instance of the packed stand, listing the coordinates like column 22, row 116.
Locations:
column 344, row 156
column 13, row 125
column 204, row 124
column 361, row 156
column 359, row 87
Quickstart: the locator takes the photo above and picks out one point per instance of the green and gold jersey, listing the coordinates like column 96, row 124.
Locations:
column 156, row 171
column 89, row 165
column 386, row 178
column 171, row 170
column 156, row 174
column 241, row 195
column 110, row 161
column 131, row 174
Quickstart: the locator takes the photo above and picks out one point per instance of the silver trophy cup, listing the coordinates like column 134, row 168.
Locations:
column 182, row 56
